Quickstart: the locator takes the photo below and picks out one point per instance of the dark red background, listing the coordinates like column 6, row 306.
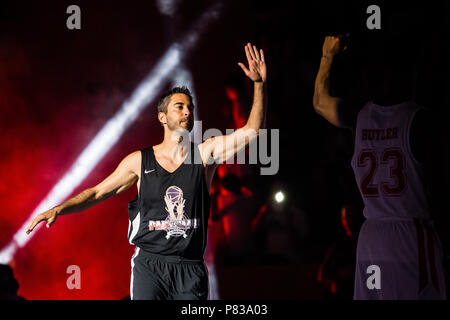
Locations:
column 59, row 87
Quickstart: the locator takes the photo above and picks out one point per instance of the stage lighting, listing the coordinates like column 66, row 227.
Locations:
column 279, row 197
column 116, row 126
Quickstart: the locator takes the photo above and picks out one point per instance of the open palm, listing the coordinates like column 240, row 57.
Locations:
column 256, row 70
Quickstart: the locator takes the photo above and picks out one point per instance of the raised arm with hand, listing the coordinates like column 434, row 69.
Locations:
column 221, row 148
column 125, row 175
column 257, row 72
column 323, row 102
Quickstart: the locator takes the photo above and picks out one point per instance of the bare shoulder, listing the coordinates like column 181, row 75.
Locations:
column 132, row 162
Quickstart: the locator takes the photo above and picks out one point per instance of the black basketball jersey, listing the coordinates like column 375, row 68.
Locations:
column 170, row 215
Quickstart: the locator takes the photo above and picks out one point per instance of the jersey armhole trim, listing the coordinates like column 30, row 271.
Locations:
column 355, row 132
column 408, row 138
column 140, row 179
column 204, row 168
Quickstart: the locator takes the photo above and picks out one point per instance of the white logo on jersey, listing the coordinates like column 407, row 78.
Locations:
column 148, row 171
column 175, row 224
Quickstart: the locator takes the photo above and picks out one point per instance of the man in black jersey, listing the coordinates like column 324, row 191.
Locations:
column 169, row 218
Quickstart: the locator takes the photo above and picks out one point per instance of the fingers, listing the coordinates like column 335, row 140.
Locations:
column 50, row 217
column 331, row 39
column 333, row 45
column 243, row 68
column 254, row 58
column 252, row 53
column 343, row 37
column 247, row 53
column 50, row 222
column 33, row 223
column 250, row 49
column 255, row 51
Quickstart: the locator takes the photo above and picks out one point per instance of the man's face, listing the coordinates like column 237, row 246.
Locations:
column 179, row 113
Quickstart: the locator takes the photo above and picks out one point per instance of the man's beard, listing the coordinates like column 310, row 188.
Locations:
column 176, row 125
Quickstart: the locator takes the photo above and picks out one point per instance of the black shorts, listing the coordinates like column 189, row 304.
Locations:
column 157, row 277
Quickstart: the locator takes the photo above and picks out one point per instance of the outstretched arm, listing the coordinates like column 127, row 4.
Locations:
column 225, row 147
column 125, row 175
column 324, row 104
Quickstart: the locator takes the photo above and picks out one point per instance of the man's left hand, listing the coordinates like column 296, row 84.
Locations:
column 257, row 70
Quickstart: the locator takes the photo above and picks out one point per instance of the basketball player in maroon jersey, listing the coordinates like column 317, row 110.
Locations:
column 169, row 218
column 399, row 254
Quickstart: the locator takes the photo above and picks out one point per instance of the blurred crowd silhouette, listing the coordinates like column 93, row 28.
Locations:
column 8, row 284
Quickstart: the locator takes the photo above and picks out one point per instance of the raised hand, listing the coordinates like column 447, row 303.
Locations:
column 332, row 46
column 257, row 70
column 49, row 216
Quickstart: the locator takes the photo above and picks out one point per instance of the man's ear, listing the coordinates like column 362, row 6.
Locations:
column 162, row 117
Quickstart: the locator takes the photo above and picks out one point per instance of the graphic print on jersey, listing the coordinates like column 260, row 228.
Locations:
column 176, row 223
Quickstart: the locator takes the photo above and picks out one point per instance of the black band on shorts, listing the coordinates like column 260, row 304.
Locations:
column 169, row 259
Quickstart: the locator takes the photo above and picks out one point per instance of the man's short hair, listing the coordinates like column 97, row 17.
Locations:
column 165, row 98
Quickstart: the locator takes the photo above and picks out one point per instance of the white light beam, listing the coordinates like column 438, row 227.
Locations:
column 113, row 129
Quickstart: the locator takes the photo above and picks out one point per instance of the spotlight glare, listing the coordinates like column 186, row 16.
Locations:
column 279, row 197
